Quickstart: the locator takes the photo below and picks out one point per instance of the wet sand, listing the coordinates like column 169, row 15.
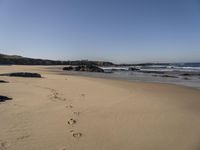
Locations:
column 65, row 112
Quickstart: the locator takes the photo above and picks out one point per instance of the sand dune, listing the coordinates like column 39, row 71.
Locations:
column 60, row 112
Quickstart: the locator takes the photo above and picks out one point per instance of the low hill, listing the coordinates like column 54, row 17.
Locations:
column 19, row 60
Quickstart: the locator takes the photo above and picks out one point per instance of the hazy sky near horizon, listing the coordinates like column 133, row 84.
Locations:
column 122, row 31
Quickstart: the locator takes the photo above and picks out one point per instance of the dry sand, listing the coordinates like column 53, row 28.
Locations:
column 60, row 112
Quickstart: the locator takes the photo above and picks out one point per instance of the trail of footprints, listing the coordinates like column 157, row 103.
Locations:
column 56, row 96
column 71, row 122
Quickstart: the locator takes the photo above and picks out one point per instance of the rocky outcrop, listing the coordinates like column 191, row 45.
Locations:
column 23, row 74
column 87, row 68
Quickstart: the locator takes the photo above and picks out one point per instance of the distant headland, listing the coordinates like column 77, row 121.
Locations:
column 20, row 60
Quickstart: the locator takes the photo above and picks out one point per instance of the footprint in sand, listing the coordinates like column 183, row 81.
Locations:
column 23, row 137
column 83, row 95
column 3, row 145
column 77, row 113
column 69, row 106
column 56, row 96
column 71, row 121
column 77, row 135
column 71, row 131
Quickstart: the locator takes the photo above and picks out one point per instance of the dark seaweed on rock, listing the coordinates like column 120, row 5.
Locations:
column 4, row 98
column 23, row 74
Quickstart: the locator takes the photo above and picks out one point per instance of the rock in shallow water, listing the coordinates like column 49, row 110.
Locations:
column 87, row 68
column 169, row 76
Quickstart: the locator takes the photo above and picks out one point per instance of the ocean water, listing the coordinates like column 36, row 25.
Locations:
column 174, row 67
column 187, row 74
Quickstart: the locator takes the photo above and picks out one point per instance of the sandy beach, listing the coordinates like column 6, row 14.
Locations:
column 64, row 112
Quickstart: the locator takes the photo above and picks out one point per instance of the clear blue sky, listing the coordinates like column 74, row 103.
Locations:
column 115, row 30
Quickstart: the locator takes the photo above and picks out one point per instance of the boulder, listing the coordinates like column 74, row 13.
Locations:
column 4, row 98
column 69, row 68
column 23, row 74
column 133, row 69
column 2, row 81
column 186, row 74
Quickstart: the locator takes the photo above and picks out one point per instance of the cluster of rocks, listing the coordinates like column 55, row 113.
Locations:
column 4, row 98
column 17, row 74
column 87, row 68
column 23, row 74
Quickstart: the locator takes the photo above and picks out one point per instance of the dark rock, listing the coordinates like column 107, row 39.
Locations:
column 117, row 69
column 4, row 98
column 169, row 76
column 91, row 68
column 78, row 68
column 191, row 74
column 133, row 69
column 186, row 74
column 70, row 68
column 2, row 81
column 23, row 74
column 155, row 72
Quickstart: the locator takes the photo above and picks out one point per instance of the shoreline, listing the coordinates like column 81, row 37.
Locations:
column 57, row 69
column 111, row 77
column 131, row 81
